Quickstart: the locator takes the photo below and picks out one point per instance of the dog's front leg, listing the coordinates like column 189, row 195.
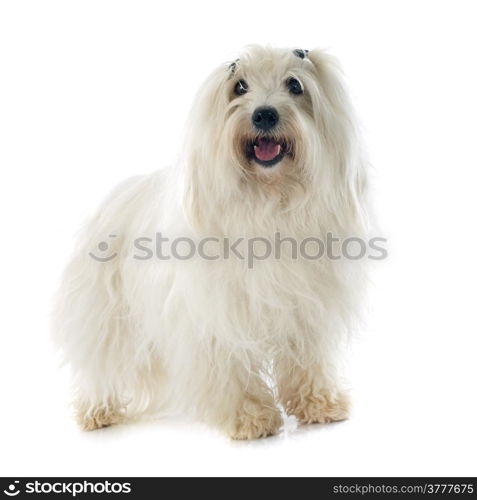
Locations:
column 255, row 417
column 312, row 393
column 238, row 401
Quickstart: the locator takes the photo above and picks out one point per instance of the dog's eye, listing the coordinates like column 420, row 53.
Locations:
column 241, row 87
column 294, row 86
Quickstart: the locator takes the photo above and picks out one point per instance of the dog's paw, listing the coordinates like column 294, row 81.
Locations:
column 319, row 408
column 98, row 417
column 255, row 421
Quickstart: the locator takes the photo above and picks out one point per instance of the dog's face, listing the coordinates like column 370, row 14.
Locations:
column 269, row 115
column 274, row 117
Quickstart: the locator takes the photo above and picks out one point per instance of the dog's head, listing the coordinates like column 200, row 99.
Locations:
column 275, row 117
column 270, row 110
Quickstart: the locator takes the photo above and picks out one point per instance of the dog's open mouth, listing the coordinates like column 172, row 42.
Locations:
column 267, row 151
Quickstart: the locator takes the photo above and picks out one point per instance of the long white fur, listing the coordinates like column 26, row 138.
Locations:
column 202, row 336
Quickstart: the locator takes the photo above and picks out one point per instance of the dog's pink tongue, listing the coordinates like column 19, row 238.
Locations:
column 267, row 149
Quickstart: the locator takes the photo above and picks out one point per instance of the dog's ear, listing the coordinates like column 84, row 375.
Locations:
column 204, row 146
column 329, row 75
column 337, row 120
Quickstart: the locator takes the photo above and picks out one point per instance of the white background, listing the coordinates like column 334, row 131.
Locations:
column 92, row 92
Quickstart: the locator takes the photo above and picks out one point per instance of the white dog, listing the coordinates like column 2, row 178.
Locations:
column 272, row 147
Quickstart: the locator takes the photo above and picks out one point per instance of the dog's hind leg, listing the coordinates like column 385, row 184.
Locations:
column 94, row 413
column 107, row 395
column 93, row 322
column 91, row 327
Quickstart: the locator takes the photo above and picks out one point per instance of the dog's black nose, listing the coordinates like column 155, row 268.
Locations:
column 265, row 117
